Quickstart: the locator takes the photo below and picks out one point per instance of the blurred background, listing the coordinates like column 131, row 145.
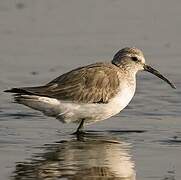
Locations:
column 41, row 39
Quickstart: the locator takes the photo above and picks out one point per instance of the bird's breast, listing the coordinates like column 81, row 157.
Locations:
column 123, row 97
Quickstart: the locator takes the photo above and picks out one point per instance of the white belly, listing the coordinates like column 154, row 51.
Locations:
column 74, row 112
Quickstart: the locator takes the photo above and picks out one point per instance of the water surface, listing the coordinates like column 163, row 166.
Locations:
column 40, row 40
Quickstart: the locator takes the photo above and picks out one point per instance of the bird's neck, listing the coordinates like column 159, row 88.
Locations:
column 129, row 76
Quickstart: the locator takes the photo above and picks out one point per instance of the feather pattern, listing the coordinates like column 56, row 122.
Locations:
column 95, row 83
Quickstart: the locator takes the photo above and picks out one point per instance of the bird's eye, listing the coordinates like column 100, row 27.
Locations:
column 134, row 58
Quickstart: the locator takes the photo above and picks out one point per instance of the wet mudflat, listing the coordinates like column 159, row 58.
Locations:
column 40, row 40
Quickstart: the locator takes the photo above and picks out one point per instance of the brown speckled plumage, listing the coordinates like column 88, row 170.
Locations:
column 95, row 83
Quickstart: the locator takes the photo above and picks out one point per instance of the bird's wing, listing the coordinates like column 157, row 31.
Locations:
column 95, row 83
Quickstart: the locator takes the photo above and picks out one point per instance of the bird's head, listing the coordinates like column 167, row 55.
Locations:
column 133, row 60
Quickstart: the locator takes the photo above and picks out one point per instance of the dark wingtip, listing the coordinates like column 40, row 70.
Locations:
column 7, row 90
column 15, row 90
column 18, row 91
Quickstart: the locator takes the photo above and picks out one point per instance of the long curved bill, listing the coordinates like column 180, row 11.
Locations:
column 156, row 73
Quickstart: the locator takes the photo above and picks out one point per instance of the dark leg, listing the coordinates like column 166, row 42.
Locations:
column 80, row 128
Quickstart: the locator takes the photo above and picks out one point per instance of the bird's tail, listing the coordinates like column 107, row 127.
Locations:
column 46, row 105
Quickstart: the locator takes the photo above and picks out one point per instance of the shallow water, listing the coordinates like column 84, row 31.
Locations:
column 40, row 40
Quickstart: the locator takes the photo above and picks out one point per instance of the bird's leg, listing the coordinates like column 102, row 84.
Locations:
column 80, row 128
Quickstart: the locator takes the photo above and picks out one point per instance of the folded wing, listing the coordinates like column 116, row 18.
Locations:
column 95, row 83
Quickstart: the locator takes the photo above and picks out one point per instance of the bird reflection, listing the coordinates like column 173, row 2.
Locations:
column 90, row 158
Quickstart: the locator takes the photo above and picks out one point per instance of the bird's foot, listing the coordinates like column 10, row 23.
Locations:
column 79, row 132
column 79, row 135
